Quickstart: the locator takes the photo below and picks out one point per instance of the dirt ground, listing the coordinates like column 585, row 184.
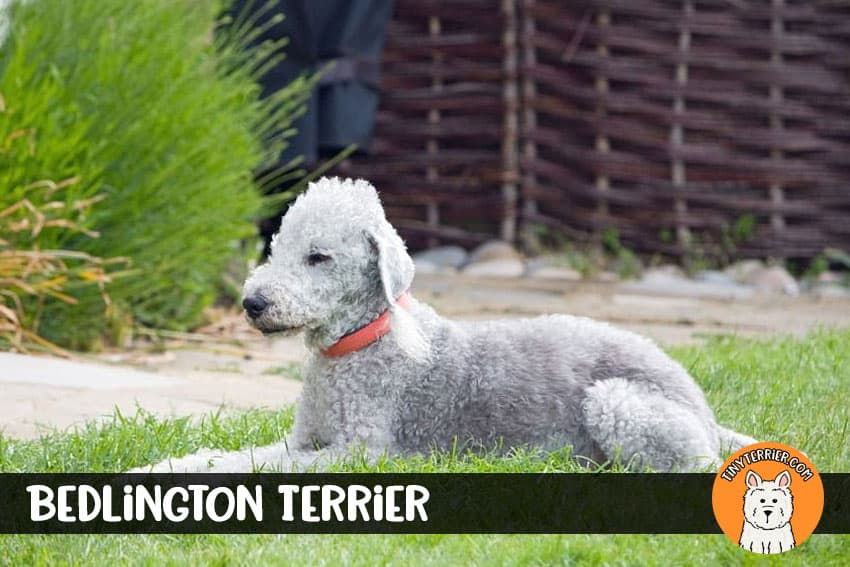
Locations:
column 228, row 365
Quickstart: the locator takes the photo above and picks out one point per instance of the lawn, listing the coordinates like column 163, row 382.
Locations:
column 793, row 391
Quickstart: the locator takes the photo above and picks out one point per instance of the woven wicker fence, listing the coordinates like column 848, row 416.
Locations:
column 437, row 156
column 715, row 125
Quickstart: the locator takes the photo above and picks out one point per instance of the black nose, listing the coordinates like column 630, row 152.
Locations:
column 254, row 305
column 767, row 513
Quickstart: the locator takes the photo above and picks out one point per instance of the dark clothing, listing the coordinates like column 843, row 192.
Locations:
column 342, row 109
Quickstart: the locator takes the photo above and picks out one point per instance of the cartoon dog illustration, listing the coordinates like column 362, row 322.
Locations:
column 768, row 505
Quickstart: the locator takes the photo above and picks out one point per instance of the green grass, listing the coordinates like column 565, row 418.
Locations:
column 785, row 390
column 290, row 370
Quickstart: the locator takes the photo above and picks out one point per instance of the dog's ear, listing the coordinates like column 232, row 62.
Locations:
column 395, row 267
column 381, row 250
column 783, row 479
column 395, row 270
column 753, row 480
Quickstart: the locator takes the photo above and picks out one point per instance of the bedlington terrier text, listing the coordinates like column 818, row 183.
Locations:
column 387, row 375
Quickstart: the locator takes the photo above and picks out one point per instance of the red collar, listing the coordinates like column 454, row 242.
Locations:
column 364, row 336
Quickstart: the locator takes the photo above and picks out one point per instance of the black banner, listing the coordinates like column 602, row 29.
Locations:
column 375, row 503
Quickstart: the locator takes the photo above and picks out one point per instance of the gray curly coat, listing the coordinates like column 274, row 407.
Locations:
column 431, row 383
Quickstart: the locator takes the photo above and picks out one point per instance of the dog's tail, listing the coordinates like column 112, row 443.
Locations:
column 731, row 441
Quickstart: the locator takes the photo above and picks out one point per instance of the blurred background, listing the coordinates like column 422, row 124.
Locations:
column 678, row 167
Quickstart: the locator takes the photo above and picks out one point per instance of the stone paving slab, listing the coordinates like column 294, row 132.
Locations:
column 74, row 375
column 40, row 393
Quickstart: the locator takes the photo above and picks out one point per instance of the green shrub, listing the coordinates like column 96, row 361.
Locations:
column 139, row 102
column 30, row 276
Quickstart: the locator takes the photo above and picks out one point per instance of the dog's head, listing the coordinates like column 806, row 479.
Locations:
column 768, row 504
column 335, row 263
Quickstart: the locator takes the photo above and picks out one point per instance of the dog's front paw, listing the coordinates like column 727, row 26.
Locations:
column 199, row 462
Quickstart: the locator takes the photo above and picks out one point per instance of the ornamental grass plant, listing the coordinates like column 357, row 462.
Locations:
column 157, row 118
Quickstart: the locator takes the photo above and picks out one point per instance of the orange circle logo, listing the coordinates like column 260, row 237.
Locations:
column 768, row 498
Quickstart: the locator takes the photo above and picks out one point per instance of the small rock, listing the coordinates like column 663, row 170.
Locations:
column 607, row 277
column 831, row 291
column 424, row 268
column 494, row 250
column 500, row 268
column 671, row 270
column 715, row 277
column 664, row 282
column 442, row 256
column 776, row 280
column 547, row 268
column 555, row 273
column 538, row 263
column 829, row 277
column 662, row 278
column 745, row 271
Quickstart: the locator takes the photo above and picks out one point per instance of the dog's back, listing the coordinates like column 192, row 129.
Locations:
column 523, row 381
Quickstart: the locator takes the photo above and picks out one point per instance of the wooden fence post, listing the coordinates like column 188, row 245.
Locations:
column 678, row 172
column 433, row 144
column 777, row 193
column 529, row 123
column 510, row 137
column 603, row 143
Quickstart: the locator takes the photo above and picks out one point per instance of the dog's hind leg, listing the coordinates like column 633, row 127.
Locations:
column 637, row 426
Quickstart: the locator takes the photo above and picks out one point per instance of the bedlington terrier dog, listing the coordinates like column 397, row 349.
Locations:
column 388, row 375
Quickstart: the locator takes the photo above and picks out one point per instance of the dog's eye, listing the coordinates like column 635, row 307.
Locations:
column 762, row 500
column 316, row 258
column 774, row 500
